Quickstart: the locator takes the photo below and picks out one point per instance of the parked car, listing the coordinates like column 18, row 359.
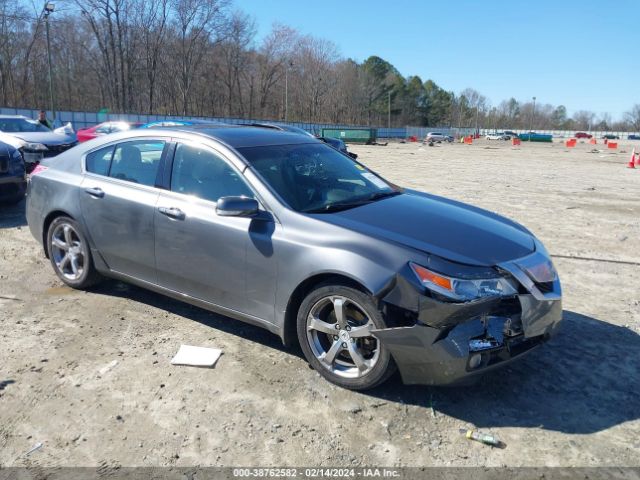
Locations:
column 633, row 137
column 13, row 180
column 611, row 136
column 511, row 133
column 282, row 231
column 438, row 137
column 582, row 135
column 498, row 136
column 105, row 128
column 34, row 140
column 334, row 142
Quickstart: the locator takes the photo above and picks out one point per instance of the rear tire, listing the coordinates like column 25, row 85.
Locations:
column 333, row 330
column 70, row 254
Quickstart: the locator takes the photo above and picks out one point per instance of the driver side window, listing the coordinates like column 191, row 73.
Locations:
column 203, row 174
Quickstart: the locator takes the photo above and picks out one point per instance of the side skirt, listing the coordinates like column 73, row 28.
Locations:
column 212, row 307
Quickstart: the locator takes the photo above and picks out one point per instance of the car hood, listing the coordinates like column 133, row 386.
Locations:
column 47, row 138
column 439, row 226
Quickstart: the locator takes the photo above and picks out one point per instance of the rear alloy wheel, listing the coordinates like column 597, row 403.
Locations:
column 70, row 255
column 334, row 330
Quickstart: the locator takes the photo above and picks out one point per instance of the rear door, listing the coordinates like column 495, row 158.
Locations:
column 198, row 252
column 118, row 202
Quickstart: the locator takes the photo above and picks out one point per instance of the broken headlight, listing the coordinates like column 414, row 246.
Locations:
column 462, row 290
column 538, row 267
column 35, row 147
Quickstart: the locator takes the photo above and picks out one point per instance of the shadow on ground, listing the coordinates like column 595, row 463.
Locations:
column 584, row 380
column 12, row 216
column 220, row 322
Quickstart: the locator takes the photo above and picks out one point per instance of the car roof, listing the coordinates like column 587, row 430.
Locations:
column 13, row 116
column 244, row 136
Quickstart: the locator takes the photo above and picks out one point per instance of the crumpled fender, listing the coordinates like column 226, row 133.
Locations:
column 406, row 295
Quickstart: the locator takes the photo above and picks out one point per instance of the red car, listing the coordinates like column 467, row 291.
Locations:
column 582, row 135
column 104, row 128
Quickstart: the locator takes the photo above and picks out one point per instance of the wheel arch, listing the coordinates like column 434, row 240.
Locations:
column 289, row 335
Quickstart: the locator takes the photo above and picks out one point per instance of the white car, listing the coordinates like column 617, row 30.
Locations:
column 498, row 136
column 438, row 137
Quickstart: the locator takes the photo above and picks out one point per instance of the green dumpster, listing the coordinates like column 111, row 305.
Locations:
column 351, row 135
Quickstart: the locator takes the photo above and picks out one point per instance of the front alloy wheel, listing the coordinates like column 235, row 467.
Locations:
column 334, row 329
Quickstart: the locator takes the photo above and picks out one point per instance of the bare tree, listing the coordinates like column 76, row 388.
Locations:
column 633, row 116
column 196, row 23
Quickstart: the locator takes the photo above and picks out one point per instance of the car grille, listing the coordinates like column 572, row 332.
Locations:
column 54, row 150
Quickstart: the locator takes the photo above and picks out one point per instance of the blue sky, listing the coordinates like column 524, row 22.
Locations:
column 582, row 54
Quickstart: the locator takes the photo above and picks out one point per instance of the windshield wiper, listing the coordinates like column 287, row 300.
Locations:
column 336, row 207
column 379, row 195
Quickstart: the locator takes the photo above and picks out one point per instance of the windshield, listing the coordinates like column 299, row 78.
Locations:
column 12, row 125
column 315, row 178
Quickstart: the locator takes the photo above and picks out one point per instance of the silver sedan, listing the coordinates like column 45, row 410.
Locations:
column 282, row 231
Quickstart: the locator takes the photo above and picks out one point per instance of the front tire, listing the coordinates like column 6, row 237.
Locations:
column 334, row 324
column 70, row 254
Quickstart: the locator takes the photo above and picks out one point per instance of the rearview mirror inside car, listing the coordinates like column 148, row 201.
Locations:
column 237, row 207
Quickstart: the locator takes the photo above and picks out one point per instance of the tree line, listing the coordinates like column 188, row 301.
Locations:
column 203, row 58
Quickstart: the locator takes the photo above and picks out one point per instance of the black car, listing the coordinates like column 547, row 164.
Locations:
column 13, row 180
column 611, row 136
column 633, row 137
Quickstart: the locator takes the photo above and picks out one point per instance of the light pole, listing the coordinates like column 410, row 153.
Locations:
column 46, row 11
column 477, row 113
column 533, row 113
column 286, row 89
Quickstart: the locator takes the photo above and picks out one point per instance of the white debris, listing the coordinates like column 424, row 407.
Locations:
column 108, row 367
column 196, row 356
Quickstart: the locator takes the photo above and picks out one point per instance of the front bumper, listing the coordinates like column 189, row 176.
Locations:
column 455, row 343
column 36, row 156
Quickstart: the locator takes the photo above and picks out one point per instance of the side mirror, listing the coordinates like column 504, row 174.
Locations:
column 237, row 207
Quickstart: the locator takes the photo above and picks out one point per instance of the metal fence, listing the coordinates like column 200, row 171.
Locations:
column 86, row 119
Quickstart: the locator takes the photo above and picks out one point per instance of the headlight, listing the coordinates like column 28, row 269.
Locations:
column 37, row 147
column 538, row 267
column 463, row 290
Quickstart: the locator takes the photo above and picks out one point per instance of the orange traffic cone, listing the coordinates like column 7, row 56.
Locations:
column 632, row 162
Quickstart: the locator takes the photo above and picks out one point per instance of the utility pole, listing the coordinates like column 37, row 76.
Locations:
column 46, row 11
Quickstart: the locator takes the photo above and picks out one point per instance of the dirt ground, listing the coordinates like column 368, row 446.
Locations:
column 88, row 373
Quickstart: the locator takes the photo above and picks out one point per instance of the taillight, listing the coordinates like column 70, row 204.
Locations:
column 38, row 169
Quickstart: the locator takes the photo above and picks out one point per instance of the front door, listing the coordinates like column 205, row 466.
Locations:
column 198, row 252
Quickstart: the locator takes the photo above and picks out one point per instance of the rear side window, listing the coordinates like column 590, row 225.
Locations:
column 99, row 161
column 137, row 161
column 202, row 173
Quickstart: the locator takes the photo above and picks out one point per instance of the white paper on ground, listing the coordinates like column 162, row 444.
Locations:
column 196, row 356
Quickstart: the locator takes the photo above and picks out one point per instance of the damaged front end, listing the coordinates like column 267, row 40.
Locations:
column 446, row 341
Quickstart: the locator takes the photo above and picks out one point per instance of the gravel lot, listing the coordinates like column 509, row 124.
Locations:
column 88, row 373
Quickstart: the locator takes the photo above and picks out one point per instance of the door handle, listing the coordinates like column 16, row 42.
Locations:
column 172, row 212
column 95, row 192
